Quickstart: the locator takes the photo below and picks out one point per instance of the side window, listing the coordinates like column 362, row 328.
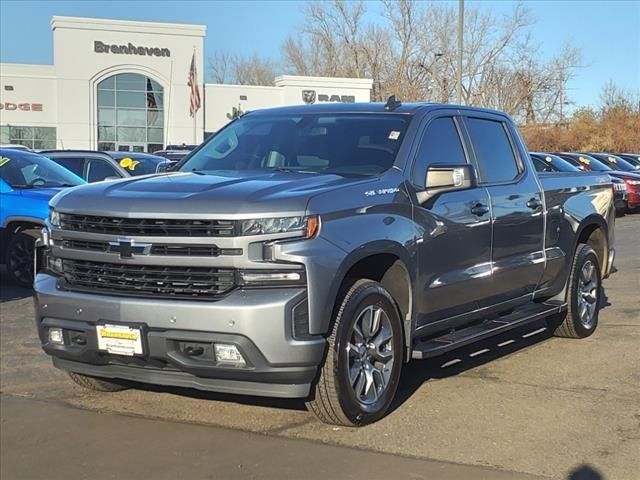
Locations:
column 496, row 160
column 538, row 164
column 76, row 165
column 98, row 170
column 440, row 143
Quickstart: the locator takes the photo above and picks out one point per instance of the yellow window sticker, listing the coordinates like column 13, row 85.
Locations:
column 4, row 161
column 129, row 163
column 612, row 159
column 548, row 159
column 586, row 161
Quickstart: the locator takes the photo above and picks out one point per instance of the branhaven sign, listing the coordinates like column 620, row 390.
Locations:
column 25, row 107
column 130, row 49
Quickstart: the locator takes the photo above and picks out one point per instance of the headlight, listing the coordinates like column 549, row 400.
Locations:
column 305, row 226
column 54, row 218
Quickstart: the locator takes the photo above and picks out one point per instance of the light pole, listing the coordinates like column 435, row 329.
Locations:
column 434, row 69
column 460, row 30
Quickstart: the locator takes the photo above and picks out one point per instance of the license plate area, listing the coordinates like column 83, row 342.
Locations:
column 118, row 339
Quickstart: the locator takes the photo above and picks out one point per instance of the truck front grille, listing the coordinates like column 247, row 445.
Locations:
column 178, row 250
column 147, row 226
column 147, row 280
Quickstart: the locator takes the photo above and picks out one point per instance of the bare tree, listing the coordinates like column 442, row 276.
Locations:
column 226, row 68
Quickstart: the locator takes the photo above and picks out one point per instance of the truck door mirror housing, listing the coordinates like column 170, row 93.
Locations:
column 447, row 178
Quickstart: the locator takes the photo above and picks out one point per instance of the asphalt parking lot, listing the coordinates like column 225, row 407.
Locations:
column 522, row 405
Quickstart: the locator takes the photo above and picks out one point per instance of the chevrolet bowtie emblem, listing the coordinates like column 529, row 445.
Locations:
column 127, row 248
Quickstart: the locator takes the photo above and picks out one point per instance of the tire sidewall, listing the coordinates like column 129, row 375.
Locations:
column 585, row 254
column 18, row 237
column 371, row 294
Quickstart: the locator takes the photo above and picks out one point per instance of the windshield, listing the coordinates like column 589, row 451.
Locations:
column 589, row 162
column 617, row 163
column 29, row 170
column 136, row 164
column 556, row 163
column 349, row 144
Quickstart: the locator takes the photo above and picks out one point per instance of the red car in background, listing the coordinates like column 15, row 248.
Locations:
column 589, row 163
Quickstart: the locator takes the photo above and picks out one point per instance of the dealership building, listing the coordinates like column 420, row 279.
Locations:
column 123, row 85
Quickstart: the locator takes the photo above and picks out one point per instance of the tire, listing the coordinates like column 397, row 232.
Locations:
column 361, row 371
column 95, row 384
column 20, row 259
column 583, row 297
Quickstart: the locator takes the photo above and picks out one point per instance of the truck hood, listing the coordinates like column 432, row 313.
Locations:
column 178, row 195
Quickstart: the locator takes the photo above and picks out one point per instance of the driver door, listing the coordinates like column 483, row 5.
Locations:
column 454, row 238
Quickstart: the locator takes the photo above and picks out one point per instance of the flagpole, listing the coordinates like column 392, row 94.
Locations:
column 195, row 63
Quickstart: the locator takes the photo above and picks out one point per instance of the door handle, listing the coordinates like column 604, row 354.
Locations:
column 479, row 209
column 534, row 204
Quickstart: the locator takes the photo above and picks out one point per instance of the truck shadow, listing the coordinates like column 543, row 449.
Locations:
column 10, row 291
column 475, row 355
column 414, row 374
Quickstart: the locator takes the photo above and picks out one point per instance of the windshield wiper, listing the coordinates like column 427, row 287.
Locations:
column 295, row 170
column 24, row 186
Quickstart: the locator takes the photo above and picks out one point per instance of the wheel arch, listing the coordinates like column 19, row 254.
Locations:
column 594, row 232
column 388, row 263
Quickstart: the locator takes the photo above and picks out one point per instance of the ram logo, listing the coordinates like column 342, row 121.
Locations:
column 309, row 96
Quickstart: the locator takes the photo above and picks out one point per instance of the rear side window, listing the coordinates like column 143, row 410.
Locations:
column 98, row 170
column 538, row 164
column 496, row 160
column 439, row 144
column 76, row 165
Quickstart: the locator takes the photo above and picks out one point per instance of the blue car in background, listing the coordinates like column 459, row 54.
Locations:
column 27, row 182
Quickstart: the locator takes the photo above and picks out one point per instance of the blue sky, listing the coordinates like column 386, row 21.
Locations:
column 608, row 32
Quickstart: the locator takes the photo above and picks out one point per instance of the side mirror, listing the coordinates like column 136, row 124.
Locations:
column 447, row 178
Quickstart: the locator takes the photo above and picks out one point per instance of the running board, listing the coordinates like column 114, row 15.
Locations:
column 529, row 313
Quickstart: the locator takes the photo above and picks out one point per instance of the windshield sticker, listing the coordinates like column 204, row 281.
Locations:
column 584, row 160
column 4, row 161
column 548, row 159
column 394, row 135
column 129, row 163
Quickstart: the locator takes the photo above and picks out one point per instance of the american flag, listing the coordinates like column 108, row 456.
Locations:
column 152, row 104
column 194, row 100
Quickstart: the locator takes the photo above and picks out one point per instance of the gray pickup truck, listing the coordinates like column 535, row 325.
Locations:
column 312, row 251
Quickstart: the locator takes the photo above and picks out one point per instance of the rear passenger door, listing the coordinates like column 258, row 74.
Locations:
column 517, row 210
column 454, row 239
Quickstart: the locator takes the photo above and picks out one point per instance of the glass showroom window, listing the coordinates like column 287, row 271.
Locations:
column 130, row 114
column 36, row 138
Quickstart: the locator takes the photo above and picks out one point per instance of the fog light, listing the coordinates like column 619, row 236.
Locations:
column 229, row 354
column 54, row 264
column 55, row 336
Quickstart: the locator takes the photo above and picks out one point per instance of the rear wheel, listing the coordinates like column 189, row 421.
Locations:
column 583, row 296
column 20, row 259
column 96, row 384
column 361, row 371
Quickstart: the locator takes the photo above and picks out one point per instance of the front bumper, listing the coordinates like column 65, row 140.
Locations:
column 258, row 322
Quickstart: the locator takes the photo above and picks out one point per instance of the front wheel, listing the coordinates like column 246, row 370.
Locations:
column 361, row 371
column 20, row 259
column 583, row 296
